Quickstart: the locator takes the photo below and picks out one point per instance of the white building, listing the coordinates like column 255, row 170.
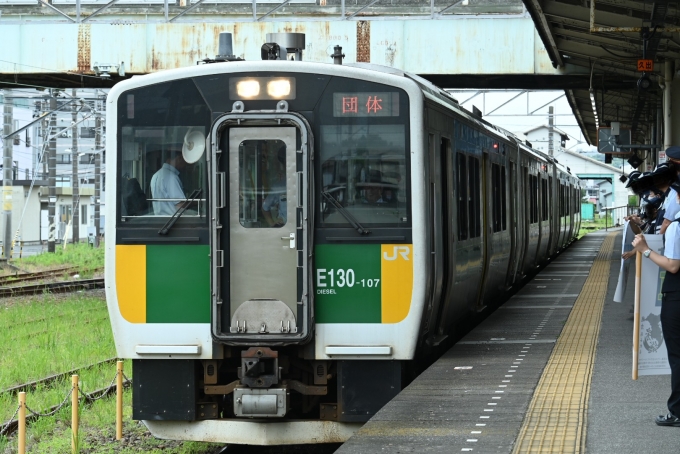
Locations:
column 30, row 167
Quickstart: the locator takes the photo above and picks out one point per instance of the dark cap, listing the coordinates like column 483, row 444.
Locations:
column 673, row 152
column 641, row 184
column 663, row 175
column 632, row 177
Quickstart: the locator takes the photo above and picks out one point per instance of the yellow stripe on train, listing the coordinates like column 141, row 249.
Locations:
column 396, row 265
column 131, row 282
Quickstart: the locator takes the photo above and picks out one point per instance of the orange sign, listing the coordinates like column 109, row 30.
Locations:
column 645, row 65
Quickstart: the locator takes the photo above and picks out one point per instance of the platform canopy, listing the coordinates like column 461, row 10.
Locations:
column 623, row 44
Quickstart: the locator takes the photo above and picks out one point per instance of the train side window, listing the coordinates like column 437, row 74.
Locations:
column 544, row 200
column 533, row 195
column 577, row 207
column 461, row 182
column 496, row 197
column 474, row 191
column 504, row 219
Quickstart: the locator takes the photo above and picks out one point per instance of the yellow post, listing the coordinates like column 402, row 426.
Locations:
column 636, row 313
column 22, row 423
column 119, row 400
column 74, row 414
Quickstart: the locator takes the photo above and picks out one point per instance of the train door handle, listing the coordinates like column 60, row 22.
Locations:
column 291, row 238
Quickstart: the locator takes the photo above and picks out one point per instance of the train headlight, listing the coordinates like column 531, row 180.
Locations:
column 251, row 88
column 278, row 88
column 248, row 88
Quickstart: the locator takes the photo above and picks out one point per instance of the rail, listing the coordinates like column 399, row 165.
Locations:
column 53, row 287
column 618, row 214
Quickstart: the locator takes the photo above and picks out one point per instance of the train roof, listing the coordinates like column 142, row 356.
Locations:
column 378, row 73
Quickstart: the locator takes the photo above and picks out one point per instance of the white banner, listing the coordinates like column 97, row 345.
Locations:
column 652, row 355
column 626, row 246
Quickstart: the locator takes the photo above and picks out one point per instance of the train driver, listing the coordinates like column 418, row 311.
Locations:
column 166, row 184
column 377, row 188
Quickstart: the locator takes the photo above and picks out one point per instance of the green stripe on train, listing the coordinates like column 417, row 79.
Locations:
column 347, row 283
column 178, row 284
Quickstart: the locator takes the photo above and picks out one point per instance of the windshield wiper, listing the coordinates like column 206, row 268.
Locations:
column 168, row 225
column 346, row 214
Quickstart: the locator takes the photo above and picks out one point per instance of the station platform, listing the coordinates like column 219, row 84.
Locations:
column 550, row 371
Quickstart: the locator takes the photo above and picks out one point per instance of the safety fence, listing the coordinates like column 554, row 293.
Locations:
column 616, row 216
column 13, row 249
column 24, row 414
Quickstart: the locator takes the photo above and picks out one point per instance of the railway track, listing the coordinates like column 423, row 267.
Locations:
column 52, row 378
column 52, row 287
column 27, row 276
column 47, row 274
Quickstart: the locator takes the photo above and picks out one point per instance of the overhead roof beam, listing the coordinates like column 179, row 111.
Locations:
column 56, row 10
column 544, row 31
column 565, row 13
column 637, row 6
column 577, row 113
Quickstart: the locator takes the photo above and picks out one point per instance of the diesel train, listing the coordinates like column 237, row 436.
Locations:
column 287, row 238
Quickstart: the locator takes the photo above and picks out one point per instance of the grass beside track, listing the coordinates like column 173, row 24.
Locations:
column 48, row 334
column 81, row 255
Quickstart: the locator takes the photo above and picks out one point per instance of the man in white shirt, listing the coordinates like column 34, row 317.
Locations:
column 165, row 184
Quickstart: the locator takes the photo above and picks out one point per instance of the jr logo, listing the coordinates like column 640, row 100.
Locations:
column 401, row 250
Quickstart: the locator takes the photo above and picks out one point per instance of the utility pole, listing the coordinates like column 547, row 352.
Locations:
column 97, row 169
column 44, row 128
column 52, row 169
column 75, row 180
column 7, row 146
column 551, row 123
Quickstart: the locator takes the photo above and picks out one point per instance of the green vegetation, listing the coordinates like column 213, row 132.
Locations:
column 82, row 255
column 97, row 433
column 597, row 224
column 51, row 334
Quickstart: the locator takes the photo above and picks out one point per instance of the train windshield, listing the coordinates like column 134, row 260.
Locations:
column 363, row 140
column 162, row 169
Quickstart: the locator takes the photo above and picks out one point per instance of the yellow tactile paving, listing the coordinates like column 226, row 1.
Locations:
column 556, row 418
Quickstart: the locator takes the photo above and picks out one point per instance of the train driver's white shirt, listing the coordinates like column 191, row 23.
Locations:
column 165, row 184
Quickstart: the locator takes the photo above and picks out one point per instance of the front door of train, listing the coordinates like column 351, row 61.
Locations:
column 262, row 234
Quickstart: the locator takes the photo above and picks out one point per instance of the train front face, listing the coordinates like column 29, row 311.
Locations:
column 268, row 274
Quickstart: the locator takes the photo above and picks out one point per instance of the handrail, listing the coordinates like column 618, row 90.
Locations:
column 623, row 209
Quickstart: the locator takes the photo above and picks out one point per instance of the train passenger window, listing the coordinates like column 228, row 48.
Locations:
column 533, row 198
column 504, row 220
column 544, row 200
column 499, row 209
column 496, row 197
column 363, row 169
column 461, row 186
column 262, row 184
column 474, row 191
